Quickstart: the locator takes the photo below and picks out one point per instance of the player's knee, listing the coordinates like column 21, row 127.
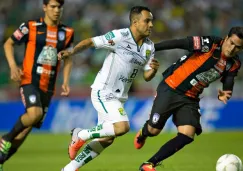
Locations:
column 35, row 114
column 121, row 128
column 153, row 131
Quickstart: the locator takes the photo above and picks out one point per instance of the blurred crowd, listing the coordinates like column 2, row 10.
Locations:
column 173, row 19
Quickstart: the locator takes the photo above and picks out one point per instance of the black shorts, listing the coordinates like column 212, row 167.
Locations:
column 185, row 110
column 34, row 97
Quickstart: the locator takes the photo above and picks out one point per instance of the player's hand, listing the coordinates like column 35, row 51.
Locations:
column 16, row 73
column 65, row 90
column 63, row 54
column 224, row 96
column 154, row 64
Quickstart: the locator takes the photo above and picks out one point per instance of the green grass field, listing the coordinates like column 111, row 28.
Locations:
column 48, row 152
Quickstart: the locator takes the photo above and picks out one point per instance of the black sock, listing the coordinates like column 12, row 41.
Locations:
column 18, row 127
column 171, row 147
column 11, row 153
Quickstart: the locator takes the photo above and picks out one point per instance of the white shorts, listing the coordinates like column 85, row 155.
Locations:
column 109, row 108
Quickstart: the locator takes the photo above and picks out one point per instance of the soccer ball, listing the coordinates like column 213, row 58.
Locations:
column 229, row 162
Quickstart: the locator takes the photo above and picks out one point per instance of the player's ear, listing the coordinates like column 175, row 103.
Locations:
column 44, row 7
column 135, row 22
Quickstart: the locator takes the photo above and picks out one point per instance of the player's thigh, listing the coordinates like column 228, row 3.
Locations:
column 189, row 114
column 36, row 102
column 45, row 103
column 108, row 107
column 30, row 96
column 163, row 107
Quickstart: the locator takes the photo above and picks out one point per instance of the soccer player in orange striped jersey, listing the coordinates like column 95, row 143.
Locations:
column 210, row 58
column 43, row 38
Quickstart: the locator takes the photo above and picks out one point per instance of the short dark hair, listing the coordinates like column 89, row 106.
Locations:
column 238, row 31
column 136, row 10
column 61, row 2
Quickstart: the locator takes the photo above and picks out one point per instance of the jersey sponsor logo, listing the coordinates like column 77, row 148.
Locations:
column 135, row 61
column 41, row 70
column 51, row 40
column 125, row 34
column 125, row 80
column 148, row 53
column 128, row 53
column 111, row 42
column 110, row 35
column 61, row 35
column 18, row 34
column 110, row 97
column 205, row 40
column 196, row 43
column 122, row 111
column 51, row 34
column 32, row 98
column 48, row 56
column 155, row 118
column 220, row 65
column 208, row 76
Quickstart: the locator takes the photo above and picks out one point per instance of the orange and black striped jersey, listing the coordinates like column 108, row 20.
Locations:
column 203, row 65
column 43, row 42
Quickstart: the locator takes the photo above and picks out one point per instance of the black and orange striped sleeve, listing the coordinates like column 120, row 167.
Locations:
column 69, row 38
column 202, row 44
column 21, row 34
column 229, row 76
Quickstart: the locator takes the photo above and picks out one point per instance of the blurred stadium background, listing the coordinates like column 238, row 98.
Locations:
column 173, row 19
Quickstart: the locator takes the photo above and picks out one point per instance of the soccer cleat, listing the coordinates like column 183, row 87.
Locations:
column 139, row 141
column 4, row 149
column 61, row 170
column 147, row 166
column 75, row 144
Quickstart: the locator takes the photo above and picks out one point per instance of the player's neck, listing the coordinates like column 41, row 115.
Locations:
column 50, row 22
column 136, row 36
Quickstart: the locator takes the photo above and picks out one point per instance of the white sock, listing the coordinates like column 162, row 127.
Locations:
column 103, row 130
column 90, row 151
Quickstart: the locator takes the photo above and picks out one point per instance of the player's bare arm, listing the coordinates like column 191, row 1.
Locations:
column 66, row 76
column 85, row 44
column 149, row 74
column 15, row 71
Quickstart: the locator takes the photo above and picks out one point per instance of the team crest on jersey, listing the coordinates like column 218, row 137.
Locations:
column 148, row 53
column 122, row 111
column 61, row 35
